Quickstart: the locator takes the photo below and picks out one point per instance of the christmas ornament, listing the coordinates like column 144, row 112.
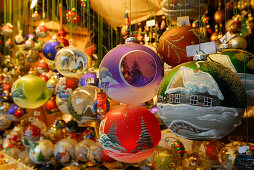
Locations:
column 19, row 39
column 32, row 36
column 178, row 146
column 32, row 132
column 36, row 16
column 50, row 49
column 29, row 44
column 64, row 88
column 51, row 107
column 93, row 154
column 42, row 30
column 129, row 133
column 163, row 158
column 51, row 65
column 212, row 149
column 82, row 149
column 4, row 123
column 72, row 16
column 235, row 27
column 13, row 152
column 64, row 150
column 60, row 124
column 26, row 142
column 105, row 157
column 234, row 59
column 44, row 77
column 219, row 16
column 196, row 160
column 201, row 100
column 7, row 29
column 63, row 41
column 89, row 78
column 51, row 83
column 173, row 42
column 42, row 67
column 132, row 69
column 32, row 56
column 41, row 151
column 72, row 126
column 39, row 46
column 174, row 8
column 24, row 158
column 101, row 105
column 81, row 103
column 9, row 44
column 71, row 61
column 125, row 28
column 30, row 92
column 19, row 113
column 238, row 42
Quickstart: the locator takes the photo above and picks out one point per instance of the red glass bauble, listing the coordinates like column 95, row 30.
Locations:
column 19, row 113
column 44, row 77
column 32, row 132
column 51, row 106
column 129, row 133
column 172, row 44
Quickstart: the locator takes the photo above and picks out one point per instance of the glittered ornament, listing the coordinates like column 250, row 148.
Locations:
column 51, row 65
column 71, row 61
column 7, row 29
column 82, row 149
column 32, row 56
column 42, row 30
column 201, row 100
column 132, row 69
column 51, row 107
column 173, row 42
column 129, row 133
column 30, row 92
column 41, row 151
column 72, row 16
column 36, row 16
column 9, row 44
column 226, row 157
column 81, row 103
column 178, row 146
column 19, row 113
column 64, row 88
column 50, row 49
column 64, row 150
column 89, row 78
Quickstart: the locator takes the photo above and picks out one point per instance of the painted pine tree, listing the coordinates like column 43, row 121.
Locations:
column 145, row 139
column 40, row 157
column 112, row 134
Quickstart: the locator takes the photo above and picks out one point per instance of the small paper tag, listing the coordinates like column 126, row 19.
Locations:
column 150, row 23
column 226, row 38
column 207, row 48
column 185, row 20
column 243, row 149
column 37, row 113
column 30, row 119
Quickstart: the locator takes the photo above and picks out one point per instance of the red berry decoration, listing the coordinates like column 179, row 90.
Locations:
column 178, row 146
column 129, row 133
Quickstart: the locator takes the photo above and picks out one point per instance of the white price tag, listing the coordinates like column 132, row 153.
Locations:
column 150, row 23
column 37, row 113
column 207, row 48
column 185, row 20
column 243, row 149
column 226, row 38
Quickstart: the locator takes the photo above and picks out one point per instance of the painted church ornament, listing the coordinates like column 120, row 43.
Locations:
column 201, row 100
column 133, row 70
column 129, row 133
column 30, row 91
column 234, row 59
column 71, row 61
column 173, row 42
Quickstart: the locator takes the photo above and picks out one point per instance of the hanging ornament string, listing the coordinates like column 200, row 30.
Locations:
column 43, row 10
column 10, row 12
column 185, row 6
column 225, row 2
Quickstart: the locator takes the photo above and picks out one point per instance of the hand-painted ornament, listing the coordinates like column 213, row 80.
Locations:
column 89, row 78
column 32, row 56
column 19, row 39
column 164, row 158
column 196, row 160
column 30, row 92
column 72, row 126
column 101, row 105
column 173, row 42
column 42, row 67
column 42, row 30
column 234, row 59
column 178, row 146
column 29, row 44
column 41, row 151
column 51, row 83
column 132, row 69
column 72, row 16
column 32, row 132
column 81, row 104
column 71, row 61
column 64, row 150
column 36, row 16
column 174, row 8
column 64, row 88
column 129, row 133
column 82, row 149
column 9, row 44
column 39, row 46
column 51, row 107
column 50, row 49
column 7, row 29
column 201, row 100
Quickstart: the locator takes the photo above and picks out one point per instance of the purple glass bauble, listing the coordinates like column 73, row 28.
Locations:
column 12, row 109
column 31, row 36
column 89, row 78
column 131, row 73
column 50, row 49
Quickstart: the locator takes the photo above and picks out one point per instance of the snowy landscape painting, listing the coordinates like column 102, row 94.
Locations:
column 138, row 69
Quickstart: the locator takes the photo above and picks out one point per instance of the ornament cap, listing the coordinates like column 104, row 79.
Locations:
column 199, row 57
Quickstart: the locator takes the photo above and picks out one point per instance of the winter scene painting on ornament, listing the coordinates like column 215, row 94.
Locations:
column 201, row 100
